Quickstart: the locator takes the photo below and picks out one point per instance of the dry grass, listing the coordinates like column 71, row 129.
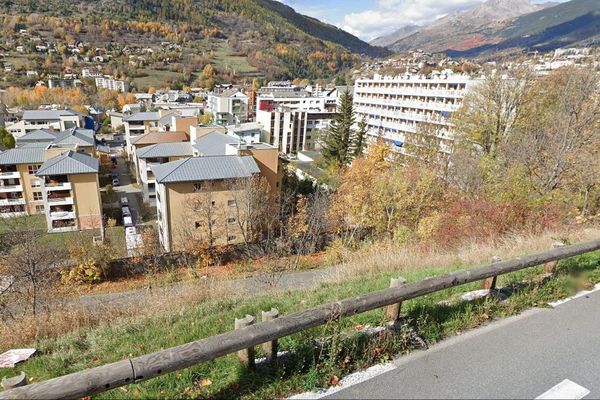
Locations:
column 69, row 317
column 369, row 260
column 386, row 257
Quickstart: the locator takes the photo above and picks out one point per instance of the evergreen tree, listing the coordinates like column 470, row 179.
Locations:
column 359, row 139
column 338, row 142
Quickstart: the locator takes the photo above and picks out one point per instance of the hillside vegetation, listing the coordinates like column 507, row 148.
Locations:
column 273, row 37
column 431, row 318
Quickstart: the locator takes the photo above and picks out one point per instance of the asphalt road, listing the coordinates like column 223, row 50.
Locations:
column 126, row 189
column 521, row 357
column 136, row 298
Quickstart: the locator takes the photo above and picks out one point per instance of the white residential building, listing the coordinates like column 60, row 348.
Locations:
column 292, row 115
column 107, row 82
column 228, row 107
column 250, row 132
column 33, row 120
column 137, row 125
column 394, row 106
column 293, row 130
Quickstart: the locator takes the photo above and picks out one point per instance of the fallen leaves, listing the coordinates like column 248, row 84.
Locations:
column 334, row 380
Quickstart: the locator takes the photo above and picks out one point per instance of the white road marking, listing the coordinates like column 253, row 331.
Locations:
column 578, row 295
column 565, row 390
column 350, row 380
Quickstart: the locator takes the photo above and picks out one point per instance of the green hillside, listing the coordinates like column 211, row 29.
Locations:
column 274, row 38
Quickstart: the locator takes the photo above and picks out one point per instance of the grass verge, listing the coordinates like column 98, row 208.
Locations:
column 307, row 369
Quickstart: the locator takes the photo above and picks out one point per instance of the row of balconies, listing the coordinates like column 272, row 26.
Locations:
column 430, row 118
column 411, row 91
column 431, row 105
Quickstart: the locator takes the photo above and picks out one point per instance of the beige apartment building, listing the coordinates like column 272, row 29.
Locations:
column 198, row 194
column 58, row 182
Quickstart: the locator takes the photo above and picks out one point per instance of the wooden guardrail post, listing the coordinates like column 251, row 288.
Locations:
column 550, row 266
column 15, row 381
column 392, row 312
column 490, row 283
column 246, row 356
column 142, row 368
column 270, row 348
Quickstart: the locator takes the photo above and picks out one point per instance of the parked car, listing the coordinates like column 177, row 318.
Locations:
column 124, row 201
column 115, row 182
column 127, row 222
column 126, row 212
column 114, row 175
column 129, row 231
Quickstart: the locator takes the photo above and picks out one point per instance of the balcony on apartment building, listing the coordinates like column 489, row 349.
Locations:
column 63, row 226
column 59, row 198
column 8, row 185
column 11, row 211
column 9, row 172
column 61, row 213
column 152, row 162
column 57, row 182
column 13, row 199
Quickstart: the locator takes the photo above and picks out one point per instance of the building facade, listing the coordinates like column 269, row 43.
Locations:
column 199, row 197
column 60, row 183
column 33, row 120
column 292, row 131
column 108, row 83
column 395, row 108
column 228, row 107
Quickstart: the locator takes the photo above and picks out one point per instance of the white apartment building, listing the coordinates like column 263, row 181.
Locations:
column 292, row 130
column 137, row 125
column 33, row 120
column 292, row 115
column 250, row 132
column 228, row 107
column 394, row 106
column 107, row 82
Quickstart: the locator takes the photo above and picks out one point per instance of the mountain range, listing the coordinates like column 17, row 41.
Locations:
column 504, row 24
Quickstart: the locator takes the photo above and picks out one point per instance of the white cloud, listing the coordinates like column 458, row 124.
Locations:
column 390, row 15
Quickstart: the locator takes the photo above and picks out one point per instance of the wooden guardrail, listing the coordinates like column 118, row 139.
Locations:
column 138, row 369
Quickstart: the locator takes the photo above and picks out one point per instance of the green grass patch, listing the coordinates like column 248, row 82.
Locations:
column 223, row 58
column 115, row 235
column 307, row 369
column 155, row 78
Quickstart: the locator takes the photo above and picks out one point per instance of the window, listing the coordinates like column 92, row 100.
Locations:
column 39, row 209
column 32, row 169
column 232, row 203
column 231, row 220
column 37, row 196
column 36, row 183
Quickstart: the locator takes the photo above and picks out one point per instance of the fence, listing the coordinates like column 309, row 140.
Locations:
column 138, row 369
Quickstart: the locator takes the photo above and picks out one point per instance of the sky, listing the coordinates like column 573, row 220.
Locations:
column 369, row 19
